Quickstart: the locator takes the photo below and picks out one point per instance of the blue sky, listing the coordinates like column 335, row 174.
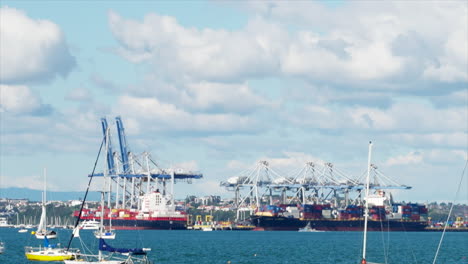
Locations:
column 217, row 86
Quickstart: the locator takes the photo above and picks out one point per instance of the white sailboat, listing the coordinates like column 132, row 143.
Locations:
column 366, row 212
column 42, row 228
column 22, row 227
column 47, row 252
column 89, row 225
column 102, row 232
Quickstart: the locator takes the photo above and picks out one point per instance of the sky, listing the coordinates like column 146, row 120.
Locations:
column 217, row 86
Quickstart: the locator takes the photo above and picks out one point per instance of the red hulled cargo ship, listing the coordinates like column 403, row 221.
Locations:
column 154, row 214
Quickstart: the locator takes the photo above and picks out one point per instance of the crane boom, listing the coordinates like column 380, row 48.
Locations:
column 110, row 159
column 123, row 144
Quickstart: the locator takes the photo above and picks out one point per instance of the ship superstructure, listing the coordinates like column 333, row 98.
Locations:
column 140, row 194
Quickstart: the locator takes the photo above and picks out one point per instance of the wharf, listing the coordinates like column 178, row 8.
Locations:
column 448, row 229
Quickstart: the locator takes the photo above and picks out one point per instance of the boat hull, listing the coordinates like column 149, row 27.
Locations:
column 280, row 223
column 163, row 223
column 45, row 256
column 93, row 262
column 51, row 234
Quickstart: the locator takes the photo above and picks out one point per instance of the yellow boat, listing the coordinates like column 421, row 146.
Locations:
column 48, row 254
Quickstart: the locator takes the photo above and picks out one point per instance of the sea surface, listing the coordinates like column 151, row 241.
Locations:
column 251, row 247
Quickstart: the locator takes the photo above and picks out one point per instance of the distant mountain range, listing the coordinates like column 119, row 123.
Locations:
column 36, row 195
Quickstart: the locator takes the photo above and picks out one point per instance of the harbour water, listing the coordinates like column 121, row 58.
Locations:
column 252, row 247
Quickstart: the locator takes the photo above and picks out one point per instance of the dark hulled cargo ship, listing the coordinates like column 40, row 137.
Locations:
column 281, row 223
column 292, row 217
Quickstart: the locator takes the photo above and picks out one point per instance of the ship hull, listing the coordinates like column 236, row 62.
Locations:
column 163, row 223
column 155, row 224
column 280, row 223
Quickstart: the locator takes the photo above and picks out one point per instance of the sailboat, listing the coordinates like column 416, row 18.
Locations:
column 22, row 228
column 366, row 212
column 114, row 256
column 42, row 231
column 102, row 232
column 49, row 252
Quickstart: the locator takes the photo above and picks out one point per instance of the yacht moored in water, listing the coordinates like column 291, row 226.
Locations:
column 90, row 225
column 4, row 222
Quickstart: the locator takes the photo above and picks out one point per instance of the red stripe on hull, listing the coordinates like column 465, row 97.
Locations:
column 131, row 228
column 139, row 219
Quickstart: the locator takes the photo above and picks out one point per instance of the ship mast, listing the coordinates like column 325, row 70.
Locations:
column 366, row 212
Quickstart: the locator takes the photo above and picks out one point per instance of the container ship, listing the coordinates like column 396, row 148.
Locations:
column 382, row 217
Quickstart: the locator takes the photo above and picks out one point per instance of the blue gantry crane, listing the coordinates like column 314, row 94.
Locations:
column 129, row 174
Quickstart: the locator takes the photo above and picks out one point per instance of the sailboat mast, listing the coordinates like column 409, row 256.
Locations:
column 366, row 212
column 101, row 228
column 45, row 199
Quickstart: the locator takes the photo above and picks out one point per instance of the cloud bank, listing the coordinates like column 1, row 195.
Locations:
column 32, row 50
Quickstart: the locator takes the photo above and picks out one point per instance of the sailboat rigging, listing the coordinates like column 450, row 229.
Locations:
column 106, row 253
column 47, row 252
column 102, row 232
column 450, row 212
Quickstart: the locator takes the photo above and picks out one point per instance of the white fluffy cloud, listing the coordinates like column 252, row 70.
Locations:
column 225, row 97
column 79, row 94
column 199, row 54
column 410, row 158
column 418, row 117
column 356, row 41
column 433, row 156
column 382, row 39
column 18, row 99
column 168, row 117
column 31, row 50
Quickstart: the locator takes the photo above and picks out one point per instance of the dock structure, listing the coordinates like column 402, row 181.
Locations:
column 312, row 184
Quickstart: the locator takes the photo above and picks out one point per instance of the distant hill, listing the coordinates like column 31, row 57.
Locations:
column 36, row 195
